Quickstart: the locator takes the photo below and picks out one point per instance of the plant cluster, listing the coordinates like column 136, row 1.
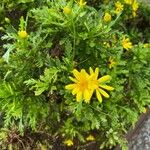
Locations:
column 102, row 44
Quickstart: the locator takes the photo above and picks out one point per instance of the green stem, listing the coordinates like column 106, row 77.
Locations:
column 99, row 110
column 74, row 39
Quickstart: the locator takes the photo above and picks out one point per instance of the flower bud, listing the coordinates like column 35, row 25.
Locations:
column 67, row 10
column 7, row 20
column 107, row 17
column 23, row 34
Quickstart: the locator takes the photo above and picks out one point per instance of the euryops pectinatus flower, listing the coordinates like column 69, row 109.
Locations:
column 126, row 43
column 86, row 84
column 81, row 3
column 99, row 85
column 119, row 7
column 81, row 88
column 68, row 142
column 107, row 17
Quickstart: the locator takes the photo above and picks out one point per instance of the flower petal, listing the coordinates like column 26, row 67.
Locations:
column 98, row 95
column 84, row 74
column 104, row 78
column 96, row 72
column 109, row 88
column 92, row 85
column 90, row 138
column 68, row 142
column 75, row 91
column 73, row 79
column 79, row 96
column 93, row 74
column 76, row 74
column 103, row 93
column 70, row 86
column 91, row 70
column 87, row 95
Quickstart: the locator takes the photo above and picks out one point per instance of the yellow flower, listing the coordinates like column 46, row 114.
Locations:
column 126, row 43
column 99, row 84
column 81, row 87
column 68, row 142
column 119, row 7
column 22, row 34
column 135, row 5
column 81, row 3
column 111, row 62
column 67, row 10
column 90, row 138
column 107, row 17
column 86, row 84
column 129, row 2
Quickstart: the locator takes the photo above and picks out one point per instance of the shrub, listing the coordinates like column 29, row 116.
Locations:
column 60, row 39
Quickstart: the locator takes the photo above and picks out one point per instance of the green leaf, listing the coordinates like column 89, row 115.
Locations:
column 7, row 53
column 45, row 81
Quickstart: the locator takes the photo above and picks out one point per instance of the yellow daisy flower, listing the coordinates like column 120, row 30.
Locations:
column 126, row 43
column 119, row 7
column 129, row 2
column 68, row 142
column 22, row 34
column 90, row 138
column 81, row 87
column 99, row 84
column 84, row 85
column 107, row 17
column 135, row 5
column 111, row 62
column 81, row 3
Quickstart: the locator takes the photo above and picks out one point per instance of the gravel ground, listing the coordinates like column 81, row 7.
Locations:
column 139, row 137
column 141, row 140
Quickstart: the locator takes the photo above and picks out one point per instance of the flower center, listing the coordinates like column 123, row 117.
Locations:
column 83, row 85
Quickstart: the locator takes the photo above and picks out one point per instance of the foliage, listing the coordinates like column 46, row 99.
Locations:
column 35, row 68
